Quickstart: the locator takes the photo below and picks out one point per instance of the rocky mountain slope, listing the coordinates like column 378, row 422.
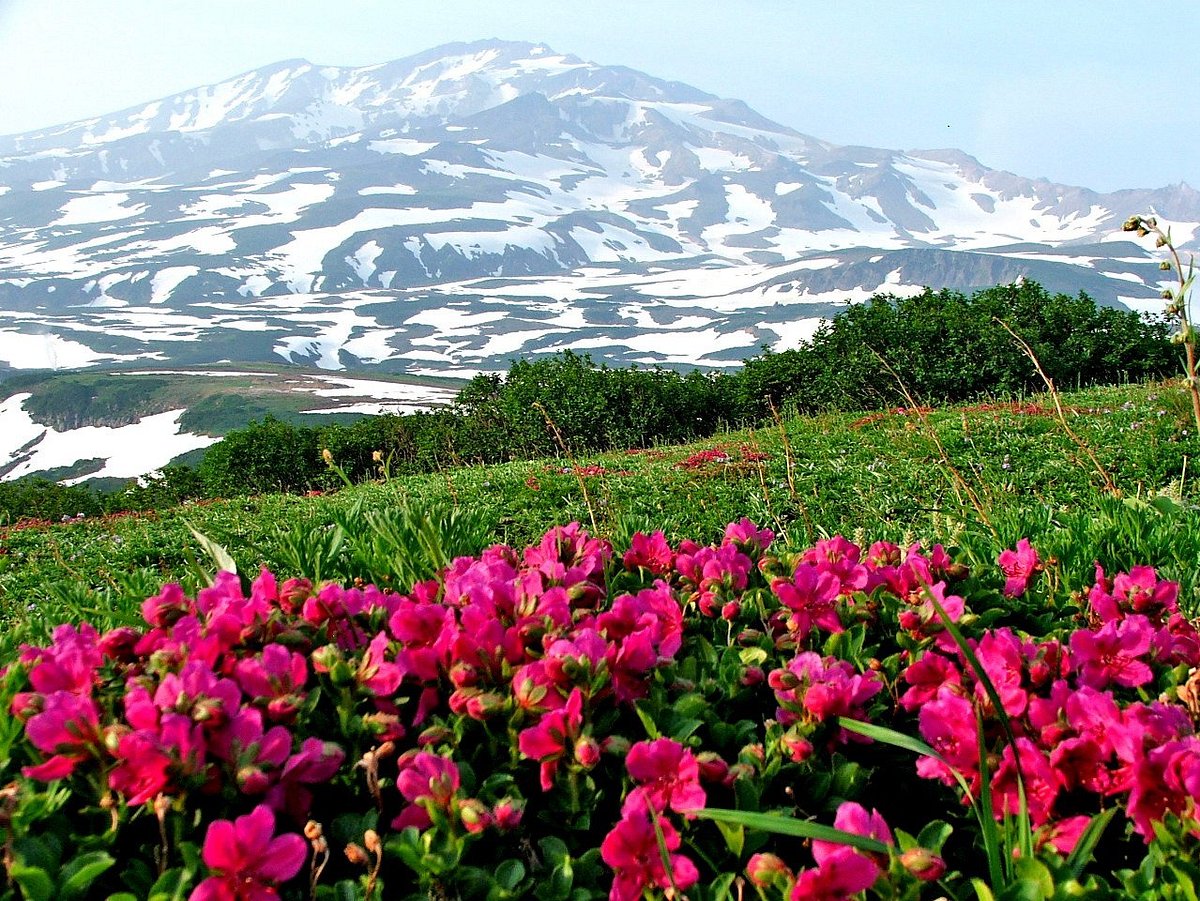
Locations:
column 447, row 211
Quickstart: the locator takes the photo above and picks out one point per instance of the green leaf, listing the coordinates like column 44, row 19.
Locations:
column 345, row 890
column 683, row 729
column 784, row 825
column 510, row 873
column 753, row 656
column 735, row 836
column 1082, row 854
column 934, row 835
column 34, row 882
column 721, row 888
column 79, row 874
column 647, row 720
column 982, row 892
column 220, row 557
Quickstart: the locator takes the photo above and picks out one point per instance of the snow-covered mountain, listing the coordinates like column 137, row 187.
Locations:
column 450, row 210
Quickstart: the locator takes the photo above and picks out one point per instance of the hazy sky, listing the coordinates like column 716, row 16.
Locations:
column 1071, row 90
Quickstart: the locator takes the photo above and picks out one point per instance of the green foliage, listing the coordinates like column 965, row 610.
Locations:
column 271, row 455
column 946, row 347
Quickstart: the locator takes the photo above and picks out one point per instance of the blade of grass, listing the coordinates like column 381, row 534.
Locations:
column 785, row 825
column 1086, row 846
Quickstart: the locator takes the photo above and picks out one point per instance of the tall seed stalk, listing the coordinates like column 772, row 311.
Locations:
column 1179, row 299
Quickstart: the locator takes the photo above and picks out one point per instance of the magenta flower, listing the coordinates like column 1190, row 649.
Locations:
column 748, row 536
column 69, row 664
column 1112, row 656
column 840, row 557
column 668, row 776
column 1138, row 591
column 247, row 859
column 650, row 552
column 375, row 673
column 926, row 678
column 426, row 781
column 816, row 690
column 947, row 723
column 811, row 596
column 274, row 679
column 1019, row 566
column 1042, row 783
column 843, row 871
column 68, row 729
column 142, row 770
column 631, row 850
column 547, row 742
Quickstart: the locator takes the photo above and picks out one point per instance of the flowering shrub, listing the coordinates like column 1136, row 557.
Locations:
column 568, row 722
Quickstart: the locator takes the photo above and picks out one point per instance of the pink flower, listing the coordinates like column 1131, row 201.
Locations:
column 843, row 871
column 1112, row 655
column 547, row 741
column 1062, row 835
column 818, row 689
column 811, row 596
column 926, row 677
column 275, row 679
column 840, row 557
column 247, row 859
column 68, row 729
column 69, row 664
column 1138, row 591
column 142, row 769
column 748, row 536
column 650, row 552
column 631, row 850
column 1041, row 782
column 668, row 775
column 375, row 673
column 1019, row 566
column 426, row 781
column 948, row 724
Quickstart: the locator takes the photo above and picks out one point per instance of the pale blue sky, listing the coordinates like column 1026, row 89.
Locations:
column 1048, row 88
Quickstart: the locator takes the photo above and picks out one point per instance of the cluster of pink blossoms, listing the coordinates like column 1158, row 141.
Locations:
column 215, row 694
column 1073, row 707
column 666, row 777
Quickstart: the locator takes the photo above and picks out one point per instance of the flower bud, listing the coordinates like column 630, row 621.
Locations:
column 797, row 747
column 783, row 680
column 764, row 870
column 482, row 706
column 740, row 771
column 753, row 675
column 475, row 817
column 923, row 864
column 617, row 745
column 587, row 752
column 712, row 766
column 313, row 830
column 1165, row 265
column 324, row 657
column 371, row 840
column 356, row 855
column 327, row 456
column 507, row 813
column 434, row 735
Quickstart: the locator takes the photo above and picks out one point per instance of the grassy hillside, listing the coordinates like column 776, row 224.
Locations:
column 978, row 476
column 217, row 399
